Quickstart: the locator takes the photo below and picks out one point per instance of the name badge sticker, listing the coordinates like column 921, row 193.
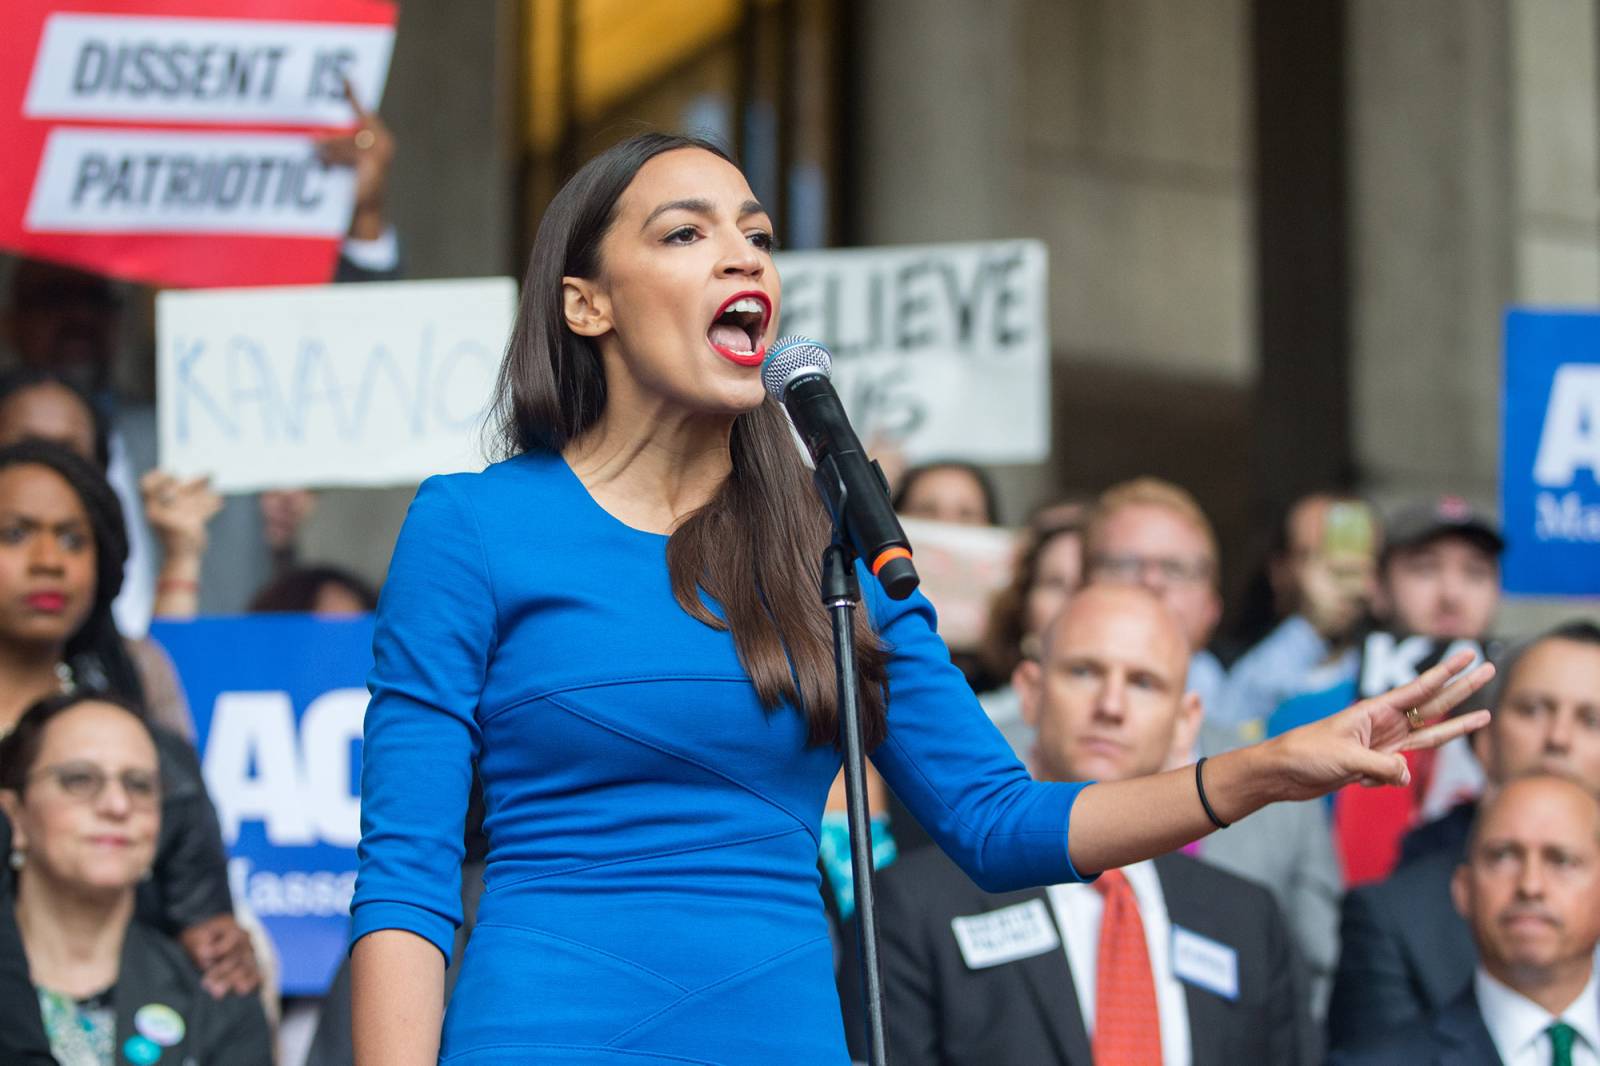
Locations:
column 1006, row 935
column 1205, row 963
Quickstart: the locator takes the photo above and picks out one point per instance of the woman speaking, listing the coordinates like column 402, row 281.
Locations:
column 619, row 625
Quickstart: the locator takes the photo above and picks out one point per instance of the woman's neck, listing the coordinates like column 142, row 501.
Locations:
column 27, row 674
column 651, row 469
column 73, row 941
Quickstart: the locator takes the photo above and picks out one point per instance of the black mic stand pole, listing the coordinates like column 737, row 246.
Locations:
column 841, row 592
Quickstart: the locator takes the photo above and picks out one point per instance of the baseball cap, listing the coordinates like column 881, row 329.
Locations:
column 1417, row 523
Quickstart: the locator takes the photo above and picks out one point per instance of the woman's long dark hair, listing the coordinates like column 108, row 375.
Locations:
column 756, row 545
column 96, row 652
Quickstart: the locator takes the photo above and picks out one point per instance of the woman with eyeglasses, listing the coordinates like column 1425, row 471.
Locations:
column 62, row 550
column 80, row 783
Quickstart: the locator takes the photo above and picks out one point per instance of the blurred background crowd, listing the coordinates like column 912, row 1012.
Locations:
column 1281, row 240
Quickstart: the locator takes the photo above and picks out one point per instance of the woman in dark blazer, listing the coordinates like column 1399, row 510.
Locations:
column 80, row 783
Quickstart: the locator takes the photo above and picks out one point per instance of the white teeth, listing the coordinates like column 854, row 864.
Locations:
column 749, row 303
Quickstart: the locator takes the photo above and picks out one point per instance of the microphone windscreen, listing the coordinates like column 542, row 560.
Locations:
column 790, row 357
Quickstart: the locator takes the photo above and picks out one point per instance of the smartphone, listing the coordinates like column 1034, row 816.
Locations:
column 1350, row 531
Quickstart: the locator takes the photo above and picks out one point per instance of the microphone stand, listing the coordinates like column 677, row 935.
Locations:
column 841, row 592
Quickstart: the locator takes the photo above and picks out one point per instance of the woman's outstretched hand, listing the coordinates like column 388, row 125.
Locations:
column 1364, row 742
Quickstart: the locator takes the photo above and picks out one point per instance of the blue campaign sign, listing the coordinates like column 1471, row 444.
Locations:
column 278, row 702
column 1549, row 492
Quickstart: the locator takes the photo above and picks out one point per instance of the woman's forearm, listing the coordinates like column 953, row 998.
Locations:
column 1115, row 823
column 397, row 999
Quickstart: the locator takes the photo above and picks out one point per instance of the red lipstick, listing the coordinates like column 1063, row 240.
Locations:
column 47, row 602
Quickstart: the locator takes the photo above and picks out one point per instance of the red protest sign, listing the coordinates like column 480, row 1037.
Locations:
column 171, row 141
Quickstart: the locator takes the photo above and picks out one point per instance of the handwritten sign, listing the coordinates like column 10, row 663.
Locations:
column 943, row 349
column 173, row 141
column 373, row 384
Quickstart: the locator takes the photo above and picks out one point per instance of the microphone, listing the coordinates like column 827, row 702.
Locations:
column 853, row 487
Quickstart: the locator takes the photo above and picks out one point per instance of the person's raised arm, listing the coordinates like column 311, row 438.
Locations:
column 1117, row 823
column 179, row 510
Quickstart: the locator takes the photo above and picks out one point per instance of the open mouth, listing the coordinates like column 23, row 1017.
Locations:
column 738, row 327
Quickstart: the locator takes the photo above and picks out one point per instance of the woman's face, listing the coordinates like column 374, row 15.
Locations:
column 686, row 300
column 1057, row 575
column 48, row 412
column 947, row 494
column 88, row 816
column 47, row 557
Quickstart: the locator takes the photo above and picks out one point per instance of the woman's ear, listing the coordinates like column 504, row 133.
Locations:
column 11, row 807
column 585, row 307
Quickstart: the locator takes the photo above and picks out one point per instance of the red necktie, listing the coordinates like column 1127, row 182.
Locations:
column 1127, row 1030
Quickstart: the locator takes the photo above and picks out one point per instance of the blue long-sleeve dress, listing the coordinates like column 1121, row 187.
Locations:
column 652, row 892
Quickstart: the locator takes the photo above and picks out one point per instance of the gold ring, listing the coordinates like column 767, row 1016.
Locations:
column 365, row 139
column 1414, row 716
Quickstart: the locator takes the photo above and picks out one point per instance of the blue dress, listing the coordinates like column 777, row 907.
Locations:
column 652, row 893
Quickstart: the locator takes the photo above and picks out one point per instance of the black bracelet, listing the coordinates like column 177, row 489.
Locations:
column 1200, row 787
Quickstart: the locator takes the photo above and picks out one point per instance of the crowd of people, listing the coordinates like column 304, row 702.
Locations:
column 120, row 936
column 1457, row 916
column 1444, row 921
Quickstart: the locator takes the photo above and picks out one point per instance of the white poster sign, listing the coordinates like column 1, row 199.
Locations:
column 354, row 385
column 943, row 349
column 962, row 569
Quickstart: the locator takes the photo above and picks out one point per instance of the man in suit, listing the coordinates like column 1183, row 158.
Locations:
column 1529, row 889
column 1167, row 961
column 1405, row 951
column 1152, row 533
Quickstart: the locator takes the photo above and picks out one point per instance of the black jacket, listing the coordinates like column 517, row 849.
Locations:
column 189, row 884
column 154, row 971
column 1454, row 1036
column 1447, row 833
column 941, row 1013
column 1404, row 952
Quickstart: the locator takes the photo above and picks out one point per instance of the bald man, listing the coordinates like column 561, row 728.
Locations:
column 1405, row 951
column 1529, row 889
column 1168, row 961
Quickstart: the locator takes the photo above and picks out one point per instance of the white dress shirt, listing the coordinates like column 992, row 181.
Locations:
column 1078, row 909
column 1517, row 1024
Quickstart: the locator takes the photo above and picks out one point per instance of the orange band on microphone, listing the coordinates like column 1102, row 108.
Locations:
column 887, row 554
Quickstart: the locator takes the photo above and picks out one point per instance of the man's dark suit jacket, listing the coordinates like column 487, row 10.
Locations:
column 1404, row 951
column 1026, row 1013
column 1454, row 1036
column 1447, row 833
